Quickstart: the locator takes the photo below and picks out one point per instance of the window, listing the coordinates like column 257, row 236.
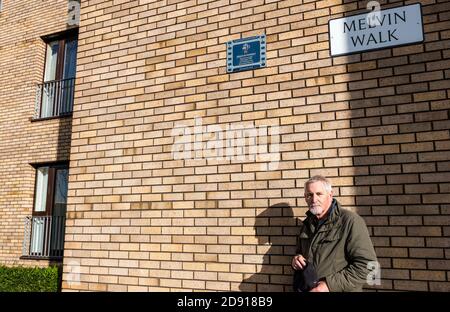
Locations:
column 51, row 190
column 1, row 6
column 55, row 95
column 61, row 59
column 45, row 227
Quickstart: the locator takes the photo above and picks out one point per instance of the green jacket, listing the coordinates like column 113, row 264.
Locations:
column 340, row 248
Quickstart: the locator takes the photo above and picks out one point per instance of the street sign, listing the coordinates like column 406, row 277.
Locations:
column 386, row 28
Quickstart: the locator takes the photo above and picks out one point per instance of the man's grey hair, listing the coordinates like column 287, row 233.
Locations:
column 318, row 178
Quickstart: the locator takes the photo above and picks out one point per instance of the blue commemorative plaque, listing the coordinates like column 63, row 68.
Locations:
column 246, row 53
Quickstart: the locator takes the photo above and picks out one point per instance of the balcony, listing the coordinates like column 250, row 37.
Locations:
column 54, row 99
column 44, row 237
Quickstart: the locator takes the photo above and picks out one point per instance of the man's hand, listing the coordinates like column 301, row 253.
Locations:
column 321, row 287
column 298, row 262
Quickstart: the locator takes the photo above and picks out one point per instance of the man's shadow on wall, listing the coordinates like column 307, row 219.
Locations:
column 277, row 227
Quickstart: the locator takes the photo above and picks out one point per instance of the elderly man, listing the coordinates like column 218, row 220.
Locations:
column 335, row 241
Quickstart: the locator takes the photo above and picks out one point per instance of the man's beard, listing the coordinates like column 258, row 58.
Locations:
column 316, row 210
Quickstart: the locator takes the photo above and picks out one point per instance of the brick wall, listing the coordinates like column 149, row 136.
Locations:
column 376, row 123
column 22, row 142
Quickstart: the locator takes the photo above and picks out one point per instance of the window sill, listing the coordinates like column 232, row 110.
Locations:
column 69, row 115
column 58, row 259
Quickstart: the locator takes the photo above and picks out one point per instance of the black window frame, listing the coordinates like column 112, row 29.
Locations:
column 59, row 83
column 61, row 37
column 51, row 186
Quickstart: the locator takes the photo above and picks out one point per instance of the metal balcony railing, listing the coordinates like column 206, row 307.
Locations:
column 44, row 237
column 54, row 98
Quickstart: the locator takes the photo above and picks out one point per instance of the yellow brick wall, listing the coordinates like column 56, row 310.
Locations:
column 22, row 142
column 376, row 123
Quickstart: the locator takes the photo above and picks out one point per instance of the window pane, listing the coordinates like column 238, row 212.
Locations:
column 62, row 178
column 70, row 61
column 51, row 61
column 49, row 89
column 59, row 212
column 67, row 85
column 48, row 99
column 40, row 201
column 37, row 236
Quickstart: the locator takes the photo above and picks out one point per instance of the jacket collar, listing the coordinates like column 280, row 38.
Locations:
column 332, row 216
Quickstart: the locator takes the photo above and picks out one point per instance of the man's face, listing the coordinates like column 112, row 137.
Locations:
column 318, row 199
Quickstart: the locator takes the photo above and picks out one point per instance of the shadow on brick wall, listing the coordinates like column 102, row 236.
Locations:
column 64, row 139
column 276, row 228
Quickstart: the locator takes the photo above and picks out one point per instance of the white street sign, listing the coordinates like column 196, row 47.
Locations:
column 376, row 30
